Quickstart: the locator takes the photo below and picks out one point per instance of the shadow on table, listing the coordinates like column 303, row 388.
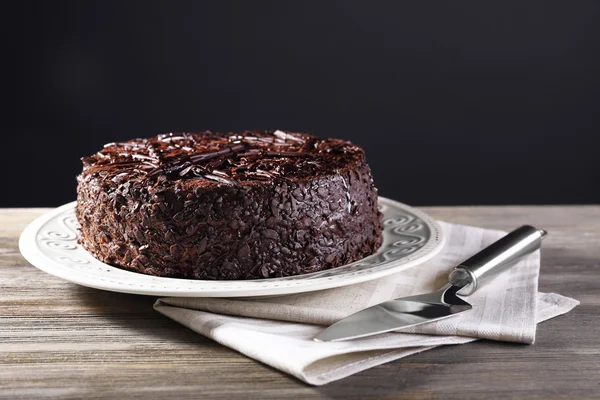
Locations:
column 135, row 312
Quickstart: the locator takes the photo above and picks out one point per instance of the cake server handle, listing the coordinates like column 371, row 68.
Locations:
column 495, row 259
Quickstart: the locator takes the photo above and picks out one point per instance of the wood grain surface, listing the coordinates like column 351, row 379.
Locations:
column 58, row 339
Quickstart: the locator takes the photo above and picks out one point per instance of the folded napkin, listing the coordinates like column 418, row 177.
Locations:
column 278, row 331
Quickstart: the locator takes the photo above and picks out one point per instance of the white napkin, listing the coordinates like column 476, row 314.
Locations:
column 278, row 331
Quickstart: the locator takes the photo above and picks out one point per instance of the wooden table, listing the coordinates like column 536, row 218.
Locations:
column 58, row 339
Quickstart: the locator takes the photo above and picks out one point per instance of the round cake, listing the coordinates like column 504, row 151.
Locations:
column 257, row 204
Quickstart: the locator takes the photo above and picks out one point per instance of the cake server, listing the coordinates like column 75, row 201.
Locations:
column 467, row 277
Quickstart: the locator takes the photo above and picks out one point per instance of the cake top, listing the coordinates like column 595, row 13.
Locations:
column 227, row 158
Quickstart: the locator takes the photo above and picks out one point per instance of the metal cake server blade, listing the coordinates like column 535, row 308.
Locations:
column 395, row 314
column 466, row 278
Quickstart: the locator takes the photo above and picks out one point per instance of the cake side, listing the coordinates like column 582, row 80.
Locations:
column 291, row 220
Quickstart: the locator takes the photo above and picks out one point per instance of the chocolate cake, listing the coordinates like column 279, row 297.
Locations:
column 257, row 204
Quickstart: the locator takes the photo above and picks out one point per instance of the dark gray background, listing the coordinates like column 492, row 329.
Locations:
column 454, row 102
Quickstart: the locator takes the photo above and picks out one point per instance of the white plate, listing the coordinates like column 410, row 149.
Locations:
column 50, row 243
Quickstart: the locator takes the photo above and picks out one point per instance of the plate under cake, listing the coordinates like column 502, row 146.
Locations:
column 226, row 206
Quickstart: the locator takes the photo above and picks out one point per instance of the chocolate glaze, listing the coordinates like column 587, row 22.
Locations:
column 248, row 205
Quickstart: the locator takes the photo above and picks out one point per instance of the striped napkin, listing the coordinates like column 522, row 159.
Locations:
column 278, row 331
